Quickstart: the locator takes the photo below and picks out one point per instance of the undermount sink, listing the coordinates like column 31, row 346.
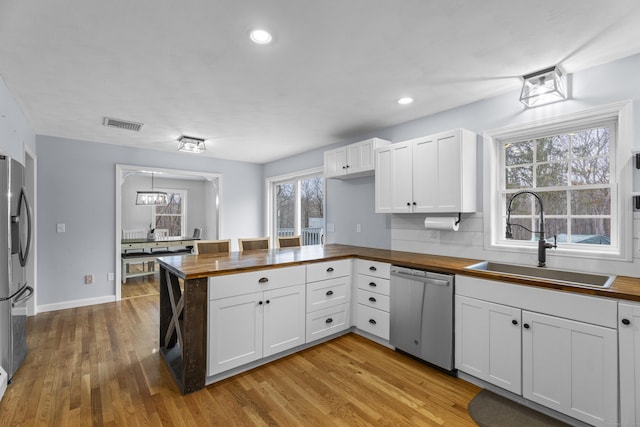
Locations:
column 564, row 276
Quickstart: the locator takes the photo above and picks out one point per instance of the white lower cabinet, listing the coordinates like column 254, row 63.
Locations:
column 488, row 342
column 570, row 367
column 629, row 347
column 567, row 364
column 328, row 298
column 254, row 324
column 373, row 290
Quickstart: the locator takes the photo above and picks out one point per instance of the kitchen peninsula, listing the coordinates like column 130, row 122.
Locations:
column 184, row 309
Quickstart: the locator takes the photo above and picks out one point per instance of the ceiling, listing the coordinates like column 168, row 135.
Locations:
column 334, row 70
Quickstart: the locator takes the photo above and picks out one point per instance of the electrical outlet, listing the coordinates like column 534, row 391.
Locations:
column 88, row 279
column 60, row 228
column 111, row 276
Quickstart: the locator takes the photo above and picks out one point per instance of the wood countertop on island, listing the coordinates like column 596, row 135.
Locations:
column 191, row 267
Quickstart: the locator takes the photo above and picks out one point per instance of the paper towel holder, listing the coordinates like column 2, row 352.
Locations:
column 459, row 218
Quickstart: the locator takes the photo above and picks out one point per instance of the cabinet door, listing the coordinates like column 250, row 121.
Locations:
column 402, row 178
column 425, row 175
column 384, row 180
column 335, row 162
column 570, row 367
column 488, row 342
column 360, row 157
column 629, row 345
column 449, row 184
column 284, row 319
column 235, row 332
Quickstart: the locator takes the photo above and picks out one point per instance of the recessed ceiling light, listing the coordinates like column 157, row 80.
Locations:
column 260, row 36
column 404, row 101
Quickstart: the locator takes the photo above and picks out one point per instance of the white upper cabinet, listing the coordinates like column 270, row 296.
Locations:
column 435, row 173
column 352, row 161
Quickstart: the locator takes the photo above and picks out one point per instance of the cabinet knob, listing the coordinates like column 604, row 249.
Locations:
column 626, row 321
column 514, row 321
column 259, row 302
column 263, row 280
column 373, row 268
column 372, row 299
column 329, row 293
column 344, row 167
column 526, row 326
column 414, row 203
column 408, row 203
column 268, row 301
column 329, row 270
column 373, row 322
column 372, row 284
column 329, row 320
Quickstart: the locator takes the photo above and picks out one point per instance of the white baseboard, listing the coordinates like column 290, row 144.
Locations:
column 75, row 303
column 3, row 382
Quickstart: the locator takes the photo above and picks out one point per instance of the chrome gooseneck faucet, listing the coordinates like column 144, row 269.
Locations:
column 542, row 243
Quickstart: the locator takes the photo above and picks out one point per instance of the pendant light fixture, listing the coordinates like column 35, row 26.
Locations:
column 152, row 197
column 542, row 87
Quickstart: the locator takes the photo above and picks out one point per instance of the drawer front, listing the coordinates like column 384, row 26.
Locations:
column 374, row 284
column 328, row 293
column 374, row 300
column 255, row 281
column 374, row 268
column 325, row 322
column 373, row 321
column 328, row 270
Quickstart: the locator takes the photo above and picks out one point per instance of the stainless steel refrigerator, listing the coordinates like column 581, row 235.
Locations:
column 15, row 242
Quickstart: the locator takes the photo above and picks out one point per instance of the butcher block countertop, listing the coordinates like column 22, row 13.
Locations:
column 190, row 267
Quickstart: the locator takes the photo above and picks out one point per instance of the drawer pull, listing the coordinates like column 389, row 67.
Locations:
column 373, row 268
column 263, row 280
column 372, row 299
column 329, row 320
column 329, row 270
column 372, row 284
column 626, row 321
column 329, row 293
column 373, row 322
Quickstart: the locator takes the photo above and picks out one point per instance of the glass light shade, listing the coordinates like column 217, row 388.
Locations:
column 542, row 87
column 191, row 145
column 152, row 198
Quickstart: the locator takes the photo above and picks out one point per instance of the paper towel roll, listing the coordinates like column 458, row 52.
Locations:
column 441, row 223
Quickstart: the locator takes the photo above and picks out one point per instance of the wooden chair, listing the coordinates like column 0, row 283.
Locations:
column 220, row 247
column 161, row 232
column 251, row 244
column 137, row 233
column 289, row 241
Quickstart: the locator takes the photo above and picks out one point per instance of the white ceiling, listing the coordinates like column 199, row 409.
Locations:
column 334, row 70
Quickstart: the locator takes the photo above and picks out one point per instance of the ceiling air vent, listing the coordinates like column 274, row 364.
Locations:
column 122, row 124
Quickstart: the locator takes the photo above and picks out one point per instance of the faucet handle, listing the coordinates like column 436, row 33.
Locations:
column 555, row 241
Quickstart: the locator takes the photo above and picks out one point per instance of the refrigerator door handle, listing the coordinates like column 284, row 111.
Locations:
column 21, row 297
column 24, row 255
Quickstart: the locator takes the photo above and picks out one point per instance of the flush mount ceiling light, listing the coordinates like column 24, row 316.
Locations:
column 405, row 100
column 542, row 87
column 188, row 144
column 151, row 197
column 259, row 36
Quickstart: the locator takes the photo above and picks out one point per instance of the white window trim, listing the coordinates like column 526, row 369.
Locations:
column 270, row 183
column 183, row 194
column 621, row 180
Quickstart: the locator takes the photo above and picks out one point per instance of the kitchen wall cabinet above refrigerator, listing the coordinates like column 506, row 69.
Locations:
column 354, row 160
column 430, row 174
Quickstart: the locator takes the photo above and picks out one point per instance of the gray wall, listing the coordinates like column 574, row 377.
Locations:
column 76, row 186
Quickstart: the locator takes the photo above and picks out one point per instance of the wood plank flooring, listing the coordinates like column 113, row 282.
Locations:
column 99, row 366
column 140, row 286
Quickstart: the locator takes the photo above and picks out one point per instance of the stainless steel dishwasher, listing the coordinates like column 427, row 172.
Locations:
column 422, row 315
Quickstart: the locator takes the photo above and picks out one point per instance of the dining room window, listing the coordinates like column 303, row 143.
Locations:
column 172, row 216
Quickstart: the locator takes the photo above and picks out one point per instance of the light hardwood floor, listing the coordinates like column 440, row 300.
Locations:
column 99, row 366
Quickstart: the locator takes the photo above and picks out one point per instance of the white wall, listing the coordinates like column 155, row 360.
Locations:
column 76, row 186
